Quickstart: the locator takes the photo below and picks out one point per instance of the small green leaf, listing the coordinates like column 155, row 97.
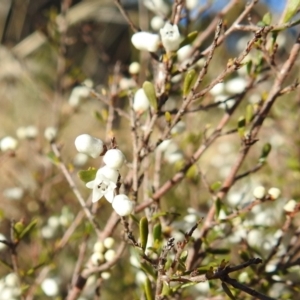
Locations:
column 168, row 117
column 54, row 159
column 148, row 290
column 215, row 186
column 267, row 18
column 148, row 270
column 189, row 81
column 265, row 152
column 28, row 229
column 249, row 66
column 149, row 90
column 189, row 39
column 249, row 113
column 144, row 231
column 192, row 173
column 291, row 9
column 166, row 289
column 87, row 175
column 218, row 207
column 98, row 116
column 157, row 232
column 241, row 126
column 18, row 228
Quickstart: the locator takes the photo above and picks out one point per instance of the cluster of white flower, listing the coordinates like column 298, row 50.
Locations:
column 260, row 193
column 103, row 252
column 9, row 287
column 80, row 92
column 106, row 178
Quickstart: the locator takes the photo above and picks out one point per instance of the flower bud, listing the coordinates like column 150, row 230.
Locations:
column 50, row 287
column 134, row 68
column 290, row 206
column 78, row 93
column 99, row 247
column 274, row 193
column 114, row 159
column 110, row 255
column 145, row 41
column 50, row 133
column 105, row 275
column 8, row 143
column 140, row 102
column 109, row 242
column 122, row 205
column 89, row 145
column 170, row 37
column 157, row 22
column 259, row 192
column 97, row 258
column 236, row 85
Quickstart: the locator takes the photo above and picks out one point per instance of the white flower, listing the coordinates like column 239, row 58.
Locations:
column 236, row 85
column 178, row 128
column 99, row 247
column 122, row 205
column 11, row 280
column 218, row 89
column 157, row 22
column 127, row 83
column 145, row 41
column 104, row 184
column 274, row 193
column 97, row 258
column 21, row 133
column 140, row 101
column 50, row 287
column 109, row 242
column 8, row 143
column 163, row 146
column 184, row 53
column 170, row 37
column 290, row 206
column 226, row 102
column 114, row 159
column 110, row 255
column 191, row 4
column 89, row 145
column 259, row 192
column 105, row 275
column 78, row 93
column 157, row 6
column 80, row 159
column 50, row 133
column 14, row 193
column 31, row 132
column 134, row 68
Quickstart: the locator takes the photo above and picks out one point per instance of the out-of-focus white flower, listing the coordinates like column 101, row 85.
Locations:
column 54, row 222
column 157, row 6
column 236, row 85
column 105, row 275
column 290, row 205
column 104, row 184
column 89, row 145
column 202, row 287
column 140, row 101
column 134, row 68
column 218, row 89
column 259, row 192
column 170, row 37
column 164, row 145
column 2, row 238
column 145, row 41
column 99, row 247
column 122, row 205
column 244, row 277
column 178, row 128
column 191, row 4
column 225, row 104
column 78, row 93
column 127, row 83
column 274, row 193
column 110, row 255
column 134, row 261
column 14, row 193
column 255, row 238
column 109, row 242
column 31, row 132
column 50, row 287
column 21, row 133
column 80, row 159
column 140, row 277
column 50, row 133
column 114, row 159
column 173, row 157
column 157, row 22
column 48, row 232
column 8, row 143
column 97, row 258
column 184, row 52
column 11, row 280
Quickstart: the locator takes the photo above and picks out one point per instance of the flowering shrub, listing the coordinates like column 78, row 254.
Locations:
column 173, row 176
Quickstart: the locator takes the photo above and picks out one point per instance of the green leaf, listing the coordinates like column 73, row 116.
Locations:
column 192, row 172
column 148, row 270
column 267, row 18
column 98, row 116
column 157, row 232
column 149, row 90
column 249, row 67
column 28, row 229
column 166, row 289
column 54, row 159
column 148, row 290
column 87, row 175
column 241, row 126
column 189, row 81
column 189, row 39
column 290, row 10
column 249, row 113
column 265, row 152
column 215, row 186
column 218, row 207
column 168, row 117
column 144, row 231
